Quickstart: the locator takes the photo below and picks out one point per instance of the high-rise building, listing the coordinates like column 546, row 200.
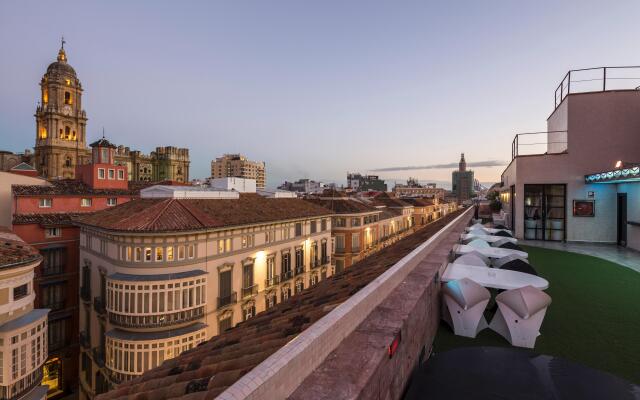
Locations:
column 462, row 181
column 23, row 328
column 238, row 166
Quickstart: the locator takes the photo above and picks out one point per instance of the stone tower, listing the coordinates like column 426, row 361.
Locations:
column 60, row 122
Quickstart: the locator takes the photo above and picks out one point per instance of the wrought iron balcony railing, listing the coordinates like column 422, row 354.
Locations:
column 224, row 301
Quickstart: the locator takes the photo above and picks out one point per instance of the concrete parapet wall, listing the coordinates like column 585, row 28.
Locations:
column 373, row 313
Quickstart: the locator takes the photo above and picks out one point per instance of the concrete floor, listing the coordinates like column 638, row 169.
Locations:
column 610, row 252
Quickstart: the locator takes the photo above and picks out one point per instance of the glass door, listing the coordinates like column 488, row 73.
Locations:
column 545, row 212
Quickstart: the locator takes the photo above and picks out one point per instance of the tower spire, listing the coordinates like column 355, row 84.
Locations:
column 62, row 56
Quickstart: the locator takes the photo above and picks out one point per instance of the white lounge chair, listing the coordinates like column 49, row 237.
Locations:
column 463, row 305
column 486, row 260
column 472, row 259
column 520, row 315
column 479, row 244
column 499, row 262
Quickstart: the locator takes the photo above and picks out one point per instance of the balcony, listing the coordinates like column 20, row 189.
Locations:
column 98, row 356
column 272, row 282
column 602, row 79
column 325, row 260
column 227, row 300
column 22, row 387
column 156, row 321
column 287, row 275
column 315, row 263
column 300, row 270
column 99, row 306
column 85, row 294
column 250, row 291
column 55, row 305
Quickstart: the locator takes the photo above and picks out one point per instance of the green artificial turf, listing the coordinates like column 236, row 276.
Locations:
column 594, row 317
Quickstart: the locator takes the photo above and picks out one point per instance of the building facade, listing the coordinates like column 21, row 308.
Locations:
column 61, row 137
column 362, row 183
column 238, row 166
column 462, row 181
column 164, row 273
column 582, row 183
column 42, row 214
column 305, row 186
column 414, row 189
column 23, row 328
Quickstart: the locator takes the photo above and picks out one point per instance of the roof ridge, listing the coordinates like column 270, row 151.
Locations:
column 188, row 209
column 153, row 221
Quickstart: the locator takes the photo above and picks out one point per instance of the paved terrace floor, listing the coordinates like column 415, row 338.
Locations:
column 610, row 252
column 206, row 371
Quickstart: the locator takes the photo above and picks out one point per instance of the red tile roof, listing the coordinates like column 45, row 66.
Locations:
column 46, row 219
column 343, row 205
column 168, row 215
column 14, row 251
column 74, row 187
column 215, row 365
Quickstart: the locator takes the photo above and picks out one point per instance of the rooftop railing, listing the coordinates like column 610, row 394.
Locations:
column 536, row 143
column 599, row 79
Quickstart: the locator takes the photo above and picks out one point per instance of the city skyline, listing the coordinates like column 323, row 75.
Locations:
column 378, row 87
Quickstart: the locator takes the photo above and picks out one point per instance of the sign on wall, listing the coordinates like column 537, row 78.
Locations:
column 584, row 208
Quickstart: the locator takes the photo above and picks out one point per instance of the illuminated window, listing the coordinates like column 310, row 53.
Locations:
column 67, row 133
column 43, row 133
column 52, row 375
column 224, row 246
column 169, row 253
column 53, row 232
column 45, row 203
column 45, row 96
column 147, row 254
column 67, row 98
column 68, row 82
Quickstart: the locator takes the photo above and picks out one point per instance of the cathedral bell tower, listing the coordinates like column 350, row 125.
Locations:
column 60, row 121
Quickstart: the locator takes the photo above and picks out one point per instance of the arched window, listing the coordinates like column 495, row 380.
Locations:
column 68, row 162
column 67, row 133
column 67, row 97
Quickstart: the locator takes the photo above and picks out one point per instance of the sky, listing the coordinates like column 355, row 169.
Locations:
column 314, row 89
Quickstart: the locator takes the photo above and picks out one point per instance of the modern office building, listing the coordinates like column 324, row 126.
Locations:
column 462, row 181
column 23, row 328
column 238, row 166
column 581, row 183
column 164, row 273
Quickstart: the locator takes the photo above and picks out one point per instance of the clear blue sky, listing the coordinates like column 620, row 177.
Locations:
column 315, row 89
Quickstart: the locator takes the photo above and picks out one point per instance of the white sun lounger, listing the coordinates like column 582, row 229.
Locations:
column 487, row 238
column 493, row 277
column 463, row 305
column 491, row 252
column 520, row 315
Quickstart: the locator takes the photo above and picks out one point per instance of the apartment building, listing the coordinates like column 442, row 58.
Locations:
column 182, row 264
column 238, row 166
column 42, row 214
column 23, row 328
column 361, row 183
column 414, row 189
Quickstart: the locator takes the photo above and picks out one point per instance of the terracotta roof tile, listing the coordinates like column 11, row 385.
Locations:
column 46, row 219
column 168, row 215
column 14, row 251
column 343, row 205
column 227, row 357
column 74, row 187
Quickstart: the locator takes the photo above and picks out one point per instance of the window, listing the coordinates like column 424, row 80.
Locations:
column 67, row 97
column 299, row 286
column 147, row 254
column 224, row 324
column 340, row 222
column 138, row 254
column 298, row 229
column 248, row 312
column 224, row 246
column 159, row 254
column 112, row 201
column 339, row 243
column 20, row 291
column 323, row 225
column 313, row 226
column 271, row 269
column 121, row 174
column 339, row 266
column 356, row 221
column 45, row 203
column 100, row 173
column 53, row 261
column 270, row 236
column 181, row 252
column 299, row 260
column 247, row 241
column 191, row 251
column 286, row 263
column 314, row 279
column 112, row 174
column 323, row 252
column 271, row 300
column 53, row 232
column 247, row 275
column 53, row 297
column 85, row 203
column 355, row 242
column 286, row 233
column 169, row 253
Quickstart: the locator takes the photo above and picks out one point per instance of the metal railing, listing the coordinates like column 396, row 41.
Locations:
column 286, row 275
column 157, row 320
column 300, row 269
column 536, row 143
column 85, row 340
column 85, row 293
column 250, row 291
column 227, row 300
column 600, row 79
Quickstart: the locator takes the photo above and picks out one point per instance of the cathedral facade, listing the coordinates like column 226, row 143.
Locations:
column 61, row 137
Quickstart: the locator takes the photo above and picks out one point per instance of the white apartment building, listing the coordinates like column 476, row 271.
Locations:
column 23, row 329
column 164, row 273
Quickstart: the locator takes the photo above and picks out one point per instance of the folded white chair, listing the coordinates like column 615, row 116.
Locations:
column 463, row 306
column 472, row 259
column 479, row 244
column 520, row 315
column 499, row 262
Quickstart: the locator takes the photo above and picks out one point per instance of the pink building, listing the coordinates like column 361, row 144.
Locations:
column 553, row 195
